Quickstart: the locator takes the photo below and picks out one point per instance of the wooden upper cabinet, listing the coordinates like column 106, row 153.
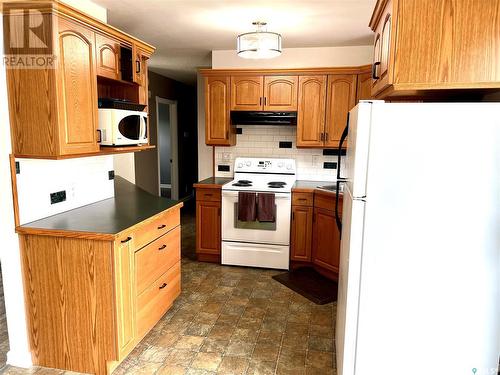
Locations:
column 341, row 97
column 247, row 93
column 280, row 93
column 217, row 122
column 429, row 45
column 77, row 89
column 311, row 111
column 108, row 56
column 363, row 91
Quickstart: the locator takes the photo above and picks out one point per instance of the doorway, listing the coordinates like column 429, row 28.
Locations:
column 168, row 164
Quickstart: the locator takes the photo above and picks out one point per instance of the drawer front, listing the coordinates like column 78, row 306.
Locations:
column 157, row 227
column 302, row 199
column 157, row 298
column 158, row 257
column 213, row 195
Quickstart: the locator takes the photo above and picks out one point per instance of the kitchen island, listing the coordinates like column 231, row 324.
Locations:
column 99, row 277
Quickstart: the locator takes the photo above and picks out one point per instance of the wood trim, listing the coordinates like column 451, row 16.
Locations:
column 211, row 258
column 293, row 71
column 13, row 178
column 207, row 186
column 67, row 11
column 104, row 150
column 377, row 14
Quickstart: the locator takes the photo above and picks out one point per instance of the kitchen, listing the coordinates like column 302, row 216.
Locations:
column 325, row 234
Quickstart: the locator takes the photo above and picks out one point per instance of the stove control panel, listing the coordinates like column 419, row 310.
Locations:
column 265, row 165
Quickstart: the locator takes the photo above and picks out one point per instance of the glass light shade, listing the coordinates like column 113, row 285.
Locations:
column 259, row 45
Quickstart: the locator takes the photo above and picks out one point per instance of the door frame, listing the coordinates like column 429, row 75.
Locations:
column 174, row 145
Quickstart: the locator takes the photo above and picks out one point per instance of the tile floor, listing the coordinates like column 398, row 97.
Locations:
column 232, row 320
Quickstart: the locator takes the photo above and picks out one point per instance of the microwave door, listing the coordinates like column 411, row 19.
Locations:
column 130, row 128
column 143, row 138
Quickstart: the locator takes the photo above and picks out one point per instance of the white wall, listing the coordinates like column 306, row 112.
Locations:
column 85, row 181
column 19, row 354
column 313, row 57
column 89, row 7
column 316, row 57
column 124, row 166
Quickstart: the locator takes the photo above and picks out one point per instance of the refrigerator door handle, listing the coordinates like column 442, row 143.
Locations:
column 339, row 155
column 338, row 220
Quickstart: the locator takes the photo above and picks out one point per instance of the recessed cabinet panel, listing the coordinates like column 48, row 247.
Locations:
column 341, row 98
column 217, row 123
column 301, row 233
column 108, row 57
column 326, row 240
column 280, row 93
column 247, row 93
column 311, row 111
column 77, row 91
column 208, row 227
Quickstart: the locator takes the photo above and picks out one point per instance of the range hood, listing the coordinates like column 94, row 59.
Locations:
column 263, row 118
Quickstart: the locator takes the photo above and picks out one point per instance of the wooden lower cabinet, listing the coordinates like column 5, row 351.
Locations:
column 315, row 238
column 208, row 225
column 92, row 298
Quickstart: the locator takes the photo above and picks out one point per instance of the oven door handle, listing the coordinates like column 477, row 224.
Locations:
column 277, row 196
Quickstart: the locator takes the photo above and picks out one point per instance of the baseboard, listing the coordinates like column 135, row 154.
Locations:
column 19, row 359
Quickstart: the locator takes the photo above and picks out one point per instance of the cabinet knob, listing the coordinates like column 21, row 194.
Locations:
column 163, row 286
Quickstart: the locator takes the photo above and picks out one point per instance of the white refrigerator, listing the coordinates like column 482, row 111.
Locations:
column 420, row 248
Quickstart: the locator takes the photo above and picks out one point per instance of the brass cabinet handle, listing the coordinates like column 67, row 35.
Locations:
column 162, row 226
column 163, row 286
column 162, row 247
column 126, row 239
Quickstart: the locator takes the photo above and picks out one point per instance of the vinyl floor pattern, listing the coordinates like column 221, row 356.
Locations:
column 232, row 320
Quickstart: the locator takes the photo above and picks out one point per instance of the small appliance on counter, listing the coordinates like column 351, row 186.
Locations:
column 121, row 123
column 258, row 237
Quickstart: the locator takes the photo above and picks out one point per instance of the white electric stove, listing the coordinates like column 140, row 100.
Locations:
column 258, row 244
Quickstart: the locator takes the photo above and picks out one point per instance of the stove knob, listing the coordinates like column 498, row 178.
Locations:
column 281, row 164
column 248, row 163
column 289, row 166
column 240, row 165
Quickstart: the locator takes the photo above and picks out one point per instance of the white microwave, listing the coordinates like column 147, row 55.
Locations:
column 120, row 127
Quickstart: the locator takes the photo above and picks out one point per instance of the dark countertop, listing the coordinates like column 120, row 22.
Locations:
column 303, row 186
column 212, row 182
column 130, row 206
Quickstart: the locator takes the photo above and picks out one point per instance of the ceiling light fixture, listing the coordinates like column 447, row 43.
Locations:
column 259, row 44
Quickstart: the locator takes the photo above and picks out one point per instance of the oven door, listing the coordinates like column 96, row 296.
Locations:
column 277, row 233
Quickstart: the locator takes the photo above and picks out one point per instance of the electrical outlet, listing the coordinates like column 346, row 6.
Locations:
column 223, row 168
column 18, row 168
column 58, row 197
column 329, row 165
column 226, row 156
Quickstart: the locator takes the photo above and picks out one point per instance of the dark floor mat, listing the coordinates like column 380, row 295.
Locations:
column 309, row 283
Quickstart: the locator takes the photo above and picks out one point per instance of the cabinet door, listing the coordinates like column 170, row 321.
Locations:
column 363, row 91
column 208, row 227
column 108, row 57
column 125, row 295
column 341, row 97
column 77, row 89
column 326, row 240
column 247, row 93
column 382, row 51
column 280, row 93
column 311, row 111
column 140, row 69
column 301, row 234
column 217, row 122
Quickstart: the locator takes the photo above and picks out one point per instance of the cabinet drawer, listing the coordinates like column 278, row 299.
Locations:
column 302, row 199
column 155, row 259
column 213, row 195
column 157, row 298
column 156, row 227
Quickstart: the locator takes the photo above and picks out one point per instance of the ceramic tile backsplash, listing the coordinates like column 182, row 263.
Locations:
column 84, row 180
column 263, row 141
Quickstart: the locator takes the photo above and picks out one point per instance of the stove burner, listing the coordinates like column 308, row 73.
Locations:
column 243, row 183
column 276, row 184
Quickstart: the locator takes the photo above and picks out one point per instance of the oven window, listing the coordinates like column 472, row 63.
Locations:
column 130, row 127
column 255, row 225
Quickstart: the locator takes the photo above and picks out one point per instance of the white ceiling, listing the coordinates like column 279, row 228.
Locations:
column 185, row 31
